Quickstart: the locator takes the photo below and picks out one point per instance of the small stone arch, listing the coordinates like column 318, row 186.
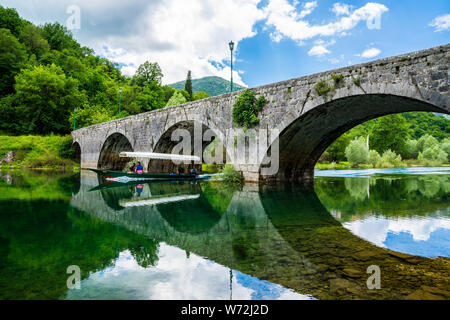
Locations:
column 109, row 155
column 77, row 152
column 165, row 144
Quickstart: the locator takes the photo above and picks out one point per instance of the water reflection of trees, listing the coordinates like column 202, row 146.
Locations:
column 390, row 196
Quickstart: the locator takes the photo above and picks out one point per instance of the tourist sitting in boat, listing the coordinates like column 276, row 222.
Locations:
column 133, row 168
column 139, row 168
column 194, row 171
column 180, row 170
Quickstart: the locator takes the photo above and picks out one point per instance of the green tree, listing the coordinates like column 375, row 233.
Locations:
column 390, row 159
column 445, row 146
column 147, row 73
column 390, row 132
column 176, row 99
column 427, row 141
column 151, row 98
column 412, row 149
column 422, row 123
column 433, row 156
column 9, row 120
column 33, row 40
column 59, row 38
column 336, row 151
column 168, row 92
column 188, row 85
column 357, row 152
column 10, row 19
column 199, row 95
column 12, row 58
column 45, row 99
column 374, row 158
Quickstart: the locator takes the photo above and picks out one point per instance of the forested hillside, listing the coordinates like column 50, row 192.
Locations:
column 45, row 74
column 213, row 86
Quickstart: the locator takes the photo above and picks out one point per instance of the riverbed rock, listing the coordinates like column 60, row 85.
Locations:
column 8, row 158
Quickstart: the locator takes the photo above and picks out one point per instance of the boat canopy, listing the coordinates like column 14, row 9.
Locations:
column 164, row 156
column 150, row 202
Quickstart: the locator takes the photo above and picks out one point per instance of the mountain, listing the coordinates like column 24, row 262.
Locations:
column 213, row 86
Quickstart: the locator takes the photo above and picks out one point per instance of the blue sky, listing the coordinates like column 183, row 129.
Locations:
column 275, row 39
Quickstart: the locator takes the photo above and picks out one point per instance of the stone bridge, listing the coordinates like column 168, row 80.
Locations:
column 305, row 120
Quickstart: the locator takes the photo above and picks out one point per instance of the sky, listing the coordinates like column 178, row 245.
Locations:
column 275, row 40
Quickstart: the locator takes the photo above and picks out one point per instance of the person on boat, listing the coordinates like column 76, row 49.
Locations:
column 180, row 170
column 133, row 168
column 139, row 189
column 194, row 171
column 139, row 168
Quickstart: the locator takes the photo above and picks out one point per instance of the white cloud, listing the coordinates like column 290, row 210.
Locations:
column 174, row 277
column 308, row 8
column 320, row 48
column 283, row 16
column 319, row 51
column 341, row 9
column 180, row 35
column 376, row 229
column 441, row 23
column 370, row 53
column 193, row 34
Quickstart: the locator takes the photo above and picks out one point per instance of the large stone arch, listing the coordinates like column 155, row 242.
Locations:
column 165, row 144
column 304, row 138
column 109, row 155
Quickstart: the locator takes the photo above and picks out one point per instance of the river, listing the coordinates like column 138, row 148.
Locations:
column 209, row 240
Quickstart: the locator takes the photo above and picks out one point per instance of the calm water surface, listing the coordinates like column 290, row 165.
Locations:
column 208, row 240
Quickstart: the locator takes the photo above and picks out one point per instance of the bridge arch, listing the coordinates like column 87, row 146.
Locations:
column 77, row 152
column 304, row 138
column 109, row 155
column 165, row 144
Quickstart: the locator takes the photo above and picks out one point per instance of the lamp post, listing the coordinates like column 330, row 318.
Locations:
column 231, row 44
column 74, row 117
column 120, row 98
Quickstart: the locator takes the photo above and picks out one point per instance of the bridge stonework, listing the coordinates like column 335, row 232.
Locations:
column 307, row 121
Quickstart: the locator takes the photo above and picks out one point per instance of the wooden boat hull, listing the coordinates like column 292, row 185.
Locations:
column 146, row 176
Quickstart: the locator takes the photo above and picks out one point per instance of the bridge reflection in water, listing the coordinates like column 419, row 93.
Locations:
column 280, row 234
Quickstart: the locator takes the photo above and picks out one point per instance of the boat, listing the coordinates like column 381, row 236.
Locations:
column 125, row 177
column 115, row 175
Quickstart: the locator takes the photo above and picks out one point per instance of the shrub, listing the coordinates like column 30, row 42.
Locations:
column 357, row 81
column 357, row 151
column 390, row 159
column 337, row 79
column 231, row 175
column 374, row 157
column 445, row 146
column 322, row 89
column 433, row 156
column 246, row 108
column 412, row 149
column 425, row 142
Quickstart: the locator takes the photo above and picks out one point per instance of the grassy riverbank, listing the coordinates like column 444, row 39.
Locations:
column 347, row 165
column 42, row 152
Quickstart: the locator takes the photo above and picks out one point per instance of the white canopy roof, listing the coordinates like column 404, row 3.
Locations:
column 164, row 156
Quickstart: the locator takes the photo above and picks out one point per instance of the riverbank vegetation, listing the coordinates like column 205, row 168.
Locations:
column 399, row 140
column 50, row 152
